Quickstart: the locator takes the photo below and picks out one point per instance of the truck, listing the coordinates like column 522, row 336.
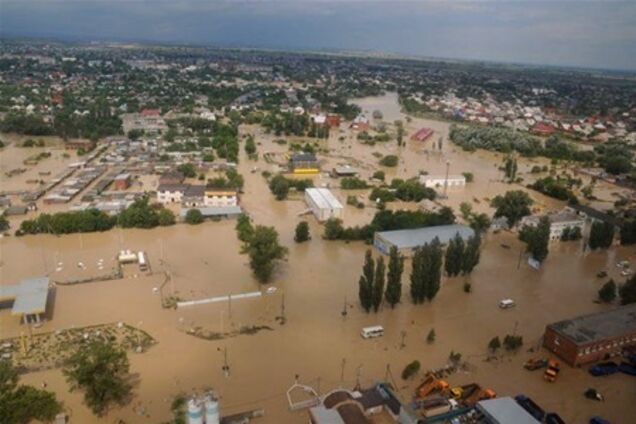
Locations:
column 431, row 385
column 435, row 405
column 470, row 392
column 551, row 373
column 535, row 364
column 603, row 368
column 529, row 405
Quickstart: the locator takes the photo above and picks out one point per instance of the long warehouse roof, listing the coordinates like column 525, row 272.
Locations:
column 323, row 198
column 420, row 236
column 29, row 295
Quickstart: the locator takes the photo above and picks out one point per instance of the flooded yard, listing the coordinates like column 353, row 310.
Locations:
column 313, row 286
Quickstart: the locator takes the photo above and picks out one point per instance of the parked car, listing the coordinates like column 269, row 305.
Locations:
column 627, row 368
column 599, row 420
column 604, row 368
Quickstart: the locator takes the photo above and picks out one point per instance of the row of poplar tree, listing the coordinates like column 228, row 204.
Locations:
column 426, row 274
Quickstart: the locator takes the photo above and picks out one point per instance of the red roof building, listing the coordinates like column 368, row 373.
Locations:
column 151, row 112
column 422, row 135
column 544, row 129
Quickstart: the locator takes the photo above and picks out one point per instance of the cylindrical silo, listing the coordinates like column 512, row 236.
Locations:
column 212, row 410
column 195, row 412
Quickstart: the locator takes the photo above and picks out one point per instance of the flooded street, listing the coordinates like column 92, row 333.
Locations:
column 312, row 286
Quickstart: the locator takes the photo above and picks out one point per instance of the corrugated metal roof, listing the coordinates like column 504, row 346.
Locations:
column 323, row 198
column 404, row 239
column 216, row 211
column 29, row 295
column 505, row 410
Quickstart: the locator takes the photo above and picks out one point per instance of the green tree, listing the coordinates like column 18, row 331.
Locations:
column 366, row 282
column 472, row 254
column 193, row 216
column 244, row 229
column 510, row 168
column 166, row 217
column 453, row 262
column 21, row 404
column 264, row 252
column 430, row 338
column 627, row 291
column 512, row 342
column 514, row 205
column 537, row 239
column 393, row 292
column 101, row 370
column 139, row 215
column 333, row 229
column 479, row 222
column 417, row 276
column 188, row 170
column 378, row 284
column 433, row 268
column 607, row 293
column 601, row 235
column 4, row 223
column 250, row 145
column 279, row 186
column 494, row 344
column 302, row 232
column 466, row 210
column 410, row 370
column 389, row 161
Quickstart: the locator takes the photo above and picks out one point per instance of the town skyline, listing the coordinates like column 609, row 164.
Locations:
column 542, row 33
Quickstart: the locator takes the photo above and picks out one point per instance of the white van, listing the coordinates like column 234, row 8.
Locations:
column 370, row 332
column 506, row 303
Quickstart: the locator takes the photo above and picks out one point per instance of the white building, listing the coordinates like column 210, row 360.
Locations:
column 218, row 198
column 323, row 203
column 558, row 223
column 171, row 193
column 438, row 181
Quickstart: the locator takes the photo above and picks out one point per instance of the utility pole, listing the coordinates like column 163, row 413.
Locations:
column 226, row 367
column 446, row 180
column 229, row 306
column 520, row 255
column 344, row 307
column 283, row 318
column 402, row 344
column 342, row 368
column 358, row 377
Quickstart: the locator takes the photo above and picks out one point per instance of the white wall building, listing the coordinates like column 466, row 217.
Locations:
column 323, row 203
column 171, row 193
column 558, row 223
column 220, row 198
column 438, row 181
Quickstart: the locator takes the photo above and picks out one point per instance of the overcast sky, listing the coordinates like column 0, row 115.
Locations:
column 599, row 34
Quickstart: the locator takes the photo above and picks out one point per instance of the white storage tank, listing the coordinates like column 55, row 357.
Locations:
column 195, row 412
column 212, row 410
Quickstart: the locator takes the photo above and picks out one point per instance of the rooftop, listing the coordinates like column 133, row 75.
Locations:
column 420, row 236
column 29, row 296
column 323, row 198
column 505, row 410
column 599, row 326
column 216, row 211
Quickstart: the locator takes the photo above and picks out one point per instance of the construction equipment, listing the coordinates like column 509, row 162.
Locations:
column 552, row 371
column 477, row 395
column 431, row 385
column 535, row 364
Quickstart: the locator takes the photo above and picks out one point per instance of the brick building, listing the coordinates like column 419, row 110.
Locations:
column 591, row 338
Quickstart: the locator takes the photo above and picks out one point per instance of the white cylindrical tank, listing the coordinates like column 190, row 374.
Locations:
column 195, row 412
column 212, row 410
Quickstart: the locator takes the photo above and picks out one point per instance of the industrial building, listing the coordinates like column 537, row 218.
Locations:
column 504, row 410
column 407, row 240
column 215, row 212
column 437, row 181
column 304, row 163
column 323, row 203
column 559, row 223
column 343, row 406
column 29, row 298
column 593, row 337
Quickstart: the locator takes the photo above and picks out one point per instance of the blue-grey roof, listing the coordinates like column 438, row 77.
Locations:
column 218, row 211
column 29, row 296
column 404, row 239
column 505, row 410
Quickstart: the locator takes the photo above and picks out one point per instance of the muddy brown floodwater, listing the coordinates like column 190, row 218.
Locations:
column 204, row 261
